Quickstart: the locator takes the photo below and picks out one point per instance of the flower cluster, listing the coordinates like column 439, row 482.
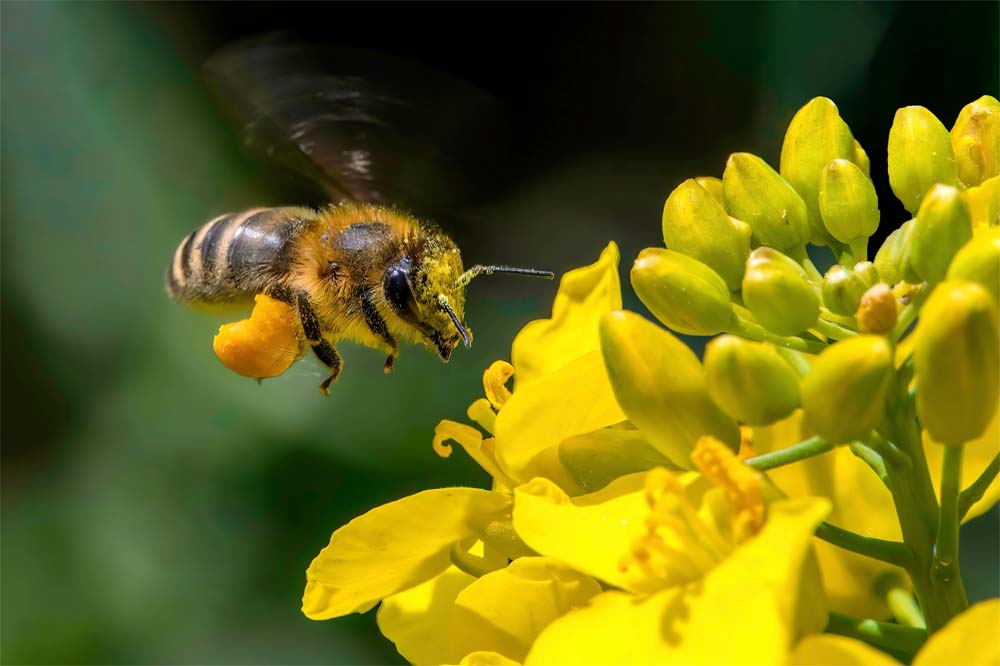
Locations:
column 794, row 497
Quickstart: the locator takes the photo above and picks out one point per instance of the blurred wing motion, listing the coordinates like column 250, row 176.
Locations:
column 362, row 125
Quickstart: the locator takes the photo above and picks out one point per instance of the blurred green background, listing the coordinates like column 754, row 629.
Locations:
column 155, row 507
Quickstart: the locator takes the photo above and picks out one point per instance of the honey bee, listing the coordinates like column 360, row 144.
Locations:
column 358, row 269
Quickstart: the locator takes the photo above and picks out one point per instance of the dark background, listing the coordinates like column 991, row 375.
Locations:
column 157, row 508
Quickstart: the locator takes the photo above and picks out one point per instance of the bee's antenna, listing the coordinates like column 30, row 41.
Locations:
column 477, row 270
column 443, row 301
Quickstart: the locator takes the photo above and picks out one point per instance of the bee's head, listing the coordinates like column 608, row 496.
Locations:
column 426, row 288
column 422, row 288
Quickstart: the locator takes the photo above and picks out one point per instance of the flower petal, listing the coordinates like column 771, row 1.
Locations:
column 418, row 620
column 965, row 639
column 590, row 533
column 829, row 650
column 743, row 612
column 486, row 659
column 545, row 345
column 573, row 400
column 504, row 611
column 393, row 548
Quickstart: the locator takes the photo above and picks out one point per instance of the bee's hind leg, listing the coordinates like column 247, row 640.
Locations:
column 324, row 351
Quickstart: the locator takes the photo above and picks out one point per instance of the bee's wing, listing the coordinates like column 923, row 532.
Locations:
column 363, row 125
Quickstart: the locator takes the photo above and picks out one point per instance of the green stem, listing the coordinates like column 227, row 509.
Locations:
column 800, row 255
column 975, row 492
column 904, row 608
column 880, row 634
column 859, row 249
column 832, row 330
column 870, row 458
column 813, row 446
column 945, row 565
column 892, row 552
column 754, row 331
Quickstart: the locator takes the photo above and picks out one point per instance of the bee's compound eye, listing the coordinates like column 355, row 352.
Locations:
column 397, row 288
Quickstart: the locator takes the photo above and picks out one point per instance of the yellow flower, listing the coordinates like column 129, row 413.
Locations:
column 710, row 577
column 562, row 415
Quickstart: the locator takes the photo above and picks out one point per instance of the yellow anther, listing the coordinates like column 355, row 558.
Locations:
column 482, row 413
column 741, row 484
column 495, row 383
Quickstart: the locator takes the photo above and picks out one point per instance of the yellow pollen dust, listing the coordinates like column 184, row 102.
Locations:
column 741, row 484
column 495, row 383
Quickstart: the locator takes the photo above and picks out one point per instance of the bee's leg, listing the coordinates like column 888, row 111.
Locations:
column 324, row 351
column 377, row 325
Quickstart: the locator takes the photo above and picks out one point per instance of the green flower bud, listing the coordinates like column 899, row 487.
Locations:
column 892, row 261
column 877, row 312
column 920, row 155
column 847, row 201
column 842, row 290
column 860, row 157
column 682, row 292
column 843, row 394
column 979, row 261
column 696, row 224
column 816, row 136
column 661, row 387
column 756, row 194
column 942, row 226
column 713, row 185
column 867, row 272
column 776, row 291
column 975, row 138
column 957, row 357
column 750, row 381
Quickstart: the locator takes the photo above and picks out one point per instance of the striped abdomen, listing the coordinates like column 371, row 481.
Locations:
column 236, row 255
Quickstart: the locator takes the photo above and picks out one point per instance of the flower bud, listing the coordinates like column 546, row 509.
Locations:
column 892, row 261
column 984, row 203
column 842, row 290
column 776, row 291
column 860, row 157
column 975, row 138
column 712, row 185
column 920, row 155
column 682, row 292
column 877, row 310
column 867, row 272
column 756, row 194
column 847, row 201
column 957, row 361
column 941, row 227
column 696, row 224
column 979, row 261
column 660, row 385
column 817, row 135
column 843, row 394
column 750, row 381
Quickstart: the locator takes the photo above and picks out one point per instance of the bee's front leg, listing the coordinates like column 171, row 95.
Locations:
column 378, row 326
column 324, row 351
